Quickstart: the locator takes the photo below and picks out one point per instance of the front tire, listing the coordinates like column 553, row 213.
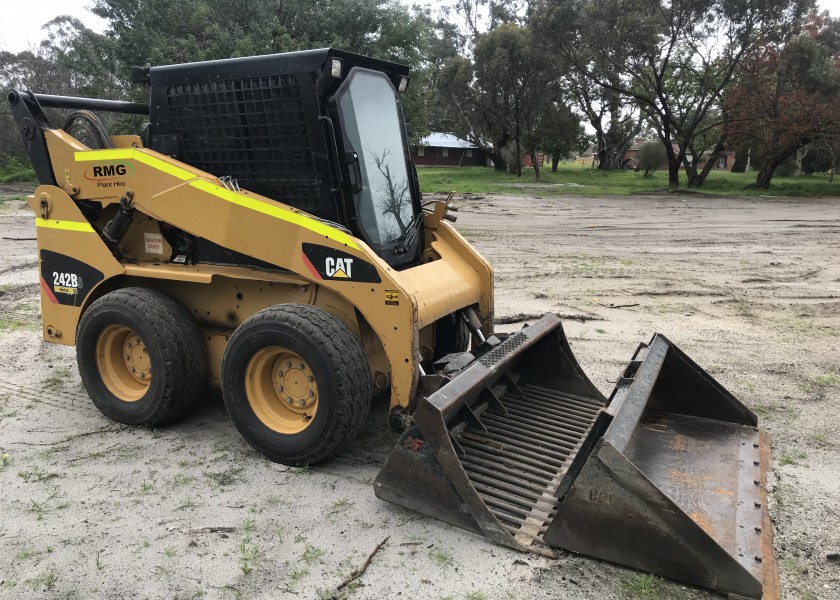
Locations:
column 296, row 383
column 140, row 356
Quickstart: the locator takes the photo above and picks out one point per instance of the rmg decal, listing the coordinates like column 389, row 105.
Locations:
column 109, row 170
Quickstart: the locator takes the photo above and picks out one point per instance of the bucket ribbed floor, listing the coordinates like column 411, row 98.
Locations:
column 517, row 464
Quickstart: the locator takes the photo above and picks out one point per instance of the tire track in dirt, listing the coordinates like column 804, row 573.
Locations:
column 61, row 399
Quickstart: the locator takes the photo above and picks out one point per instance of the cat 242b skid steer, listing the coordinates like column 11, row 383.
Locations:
column 265, row 234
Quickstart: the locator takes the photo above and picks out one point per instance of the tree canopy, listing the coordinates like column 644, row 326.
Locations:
column 514, row 77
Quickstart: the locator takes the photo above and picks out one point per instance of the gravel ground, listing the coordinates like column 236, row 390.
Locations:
column 749, row 288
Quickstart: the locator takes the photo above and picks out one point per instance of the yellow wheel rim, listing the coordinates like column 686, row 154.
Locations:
column 281, row 390
column 123, row 362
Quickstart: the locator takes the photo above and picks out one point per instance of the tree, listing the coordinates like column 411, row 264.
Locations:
column 504, row 99
column 651, row 156
column 466, row 116
column 561, row 132
column 786, row 97
column 673, row 58
column 615, row 119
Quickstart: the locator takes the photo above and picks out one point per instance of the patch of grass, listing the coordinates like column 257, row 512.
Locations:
column 181, row 479
column 227, row 477
column 295, row 578
column 476, row 595
column 170, row 552
column 13, row 169
column 442, row 557
column 643, row 586
column 823, row 439
column 146, row 488
column 12, row 323
column 302, row 470
column 792, row 458
column 599, row 330
column 36, row 474
column 276, row 501
column 27, row 554
column 57, row 380
column 248, row 524
column 5, row 460
column 820, row 382
column 764, row 410
column 794, row 566
column 249, row 554
column 45, row 580
column 473, row 234
column 339, row 506
column 187, row 503
column 311, row 553
column 577, row 179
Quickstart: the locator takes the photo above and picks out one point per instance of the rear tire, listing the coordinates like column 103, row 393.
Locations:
column 141, row 357
column 296, row 383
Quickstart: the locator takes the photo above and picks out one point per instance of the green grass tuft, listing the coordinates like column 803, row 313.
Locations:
column 643, row 586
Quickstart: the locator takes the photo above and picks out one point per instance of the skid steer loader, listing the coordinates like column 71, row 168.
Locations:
column 265, row 234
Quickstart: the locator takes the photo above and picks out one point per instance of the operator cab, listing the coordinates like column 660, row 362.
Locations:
column 320, row 130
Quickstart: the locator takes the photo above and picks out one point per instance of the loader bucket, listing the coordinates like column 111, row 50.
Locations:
column 667, row 475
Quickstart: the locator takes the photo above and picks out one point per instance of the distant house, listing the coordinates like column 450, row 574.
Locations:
column 447, row 150
column 724, row 162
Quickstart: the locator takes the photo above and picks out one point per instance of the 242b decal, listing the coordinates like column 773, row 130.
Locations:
column 67, row 280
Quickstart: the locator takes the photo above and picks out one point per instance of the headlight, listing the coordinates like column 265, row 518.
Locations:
column 336, row 67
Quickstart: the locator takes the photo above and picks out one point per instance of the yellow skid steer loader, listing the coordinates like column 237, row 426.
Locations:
column 266, row 235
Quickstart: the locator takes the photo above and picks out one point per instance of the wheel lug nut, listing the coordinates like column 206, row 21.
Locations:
column 279, row 388
column 302, row 403
column 311, row 394
column 130, row 344
column 291, row 400
column 142, row 375
column 128, row 357
column 311, row 379
column 288, row 364
column 279, row 374
column 133, row 369
column 300, row 366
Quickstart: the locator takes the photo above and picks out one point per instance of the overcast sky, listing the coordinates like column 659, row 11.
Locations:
column 21, row 21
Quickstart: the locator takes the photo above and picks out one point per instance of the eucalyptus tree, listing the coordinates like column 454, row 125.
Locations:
column 674, row 59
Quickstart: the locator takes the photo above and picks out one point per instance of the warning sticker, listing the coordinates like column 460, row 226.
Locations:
column 154, row 243
column 392, row 297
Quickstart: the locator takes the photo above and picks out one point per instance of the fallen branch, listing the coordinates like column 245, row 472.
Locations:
column 212, row 530
column 12, row 239
column 520, row 317
column 359, row 572
column 611, row 305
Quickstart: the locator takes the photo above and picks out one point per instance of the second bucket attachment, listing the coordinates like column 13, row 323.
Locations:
column 667, row 475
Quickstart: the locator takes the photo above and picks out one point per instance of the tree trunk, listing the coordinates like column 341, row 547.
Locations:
column 555, row 160
column 765, row 173
column 499, row 163
column 700, row 178
column 533, row 154
column 690, row 171
column 674, row 162
column 518, row 158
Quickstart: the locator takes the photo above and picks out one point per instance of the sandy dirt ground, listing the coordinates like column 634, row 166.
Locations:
column 749, row 288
